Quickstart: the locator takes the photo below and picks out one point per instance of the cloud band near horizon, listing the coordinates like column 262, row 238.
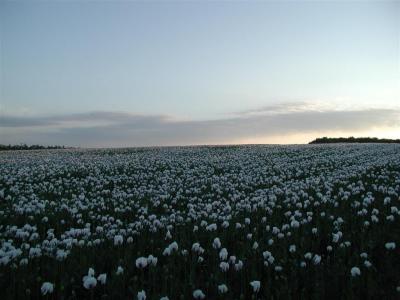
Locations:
column 120, row 129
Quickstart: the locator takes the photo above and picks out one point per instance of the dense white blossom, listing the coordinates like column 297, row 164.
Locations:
column 276, row 210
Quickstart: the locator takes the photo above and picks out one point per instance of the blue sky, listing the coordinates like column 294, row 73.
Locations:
column 191, row 63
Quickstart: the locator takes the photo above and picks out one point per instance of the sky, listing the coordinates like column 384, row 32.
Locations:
column 128, row 73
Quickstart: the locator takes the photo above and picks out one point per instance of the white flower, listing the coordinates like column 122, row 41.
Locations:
column 141, row 295
column 308, row 255
column 35, row 252
column 255, row 285
column 141, row 262
column 255, row 246
column 224, row 266
column 278, row 268
column 355, row 271
column 336, row 236
column 294, row 224
column 390, row 246
column 89, row 282
column 225, row 224
column 164, row 298
column 91, row 272
column 374, row 219
column 367, row 263
column 222, row 289
column 198, row 294
column 119, row 271
column 239, row 265
column 171, row 247
column 266, row 254
column 211, row 227
column 216, row 243
column 23, row 262
column 47, row 288
column 223, row 254
column 232, row 259
column 61, row 254
column 197, row 248
column 174, row 246
column 118, row 240
column 167, row 251
column 102, row 278
column 316, row 259
column 292, row 248
column 152, row 260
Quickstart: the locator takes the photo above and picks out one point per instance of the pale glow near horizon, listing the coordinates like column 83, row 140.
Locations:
column 305, row 138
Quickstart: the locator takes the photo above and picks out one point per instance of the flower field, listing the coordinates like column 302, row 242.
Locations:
column 237, row 222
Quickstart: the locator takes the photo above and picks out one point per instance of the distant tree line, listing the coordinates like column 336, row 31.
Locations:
column 27, row 147
column 326, row 140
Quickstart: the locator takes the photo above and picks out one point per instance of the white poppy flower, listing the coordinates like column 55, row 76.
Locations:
column 255, row 246
column 141, row 295
column 89, row 282
column 355, row 271
column 317, row 259
column 102, row 278
column 216, row 243
column 141, row 262
column 224, row 266
column 119, row 271
column 118, row 240
column 223, row 254
column 152, row 260
column 47, row 288
column 198, row 294
column 239, row 265
column 222, row 289
column 367, row 264
column 255, row 285
column 390, row 246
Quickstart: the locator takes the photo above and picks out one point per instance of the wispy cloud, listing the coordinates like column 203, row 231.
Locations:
column 101, row 129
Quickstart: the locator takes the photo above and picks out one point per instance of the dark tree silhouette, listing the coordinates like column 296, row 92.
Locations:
column 26, row 147
column 326, row 140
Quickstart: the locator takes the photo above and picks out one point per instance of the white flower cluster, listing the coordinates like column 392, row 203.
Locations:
column 223, row 215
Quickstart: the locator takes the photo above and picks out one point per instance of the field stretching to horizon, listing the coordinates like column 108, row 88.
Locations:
column 206, row 222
